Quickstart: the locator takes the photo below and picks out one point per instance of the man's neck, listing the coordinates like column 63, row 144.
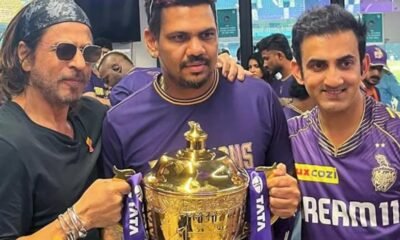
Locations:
column 43, row 113
column 286, row 70
column 339, row 127
column 173, row 89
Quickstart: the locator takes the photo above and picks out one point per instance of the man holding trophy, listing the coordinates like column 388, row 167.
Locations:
column 242, row 119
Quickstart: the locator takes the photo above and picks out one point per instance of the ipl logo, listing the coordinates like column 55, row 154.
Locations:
column 257, row 184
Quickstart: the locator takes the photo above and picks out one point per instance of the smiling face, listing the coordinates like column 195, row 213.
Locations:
column 58, row 81
column 331, row 71
column 187, row 45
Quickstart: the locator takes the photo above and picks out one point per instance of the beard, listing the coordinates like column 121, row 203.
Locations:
column 51, row 89
column 373, row 80
column 275, row 70
column 193, row 84
column 196, row 81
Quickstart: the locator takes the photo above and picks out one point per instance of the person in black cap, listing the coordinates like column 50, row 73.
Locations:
column 49, row 135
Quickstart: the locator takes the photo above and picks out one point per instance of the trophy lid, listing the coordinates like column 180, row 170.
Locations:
column 196, row 170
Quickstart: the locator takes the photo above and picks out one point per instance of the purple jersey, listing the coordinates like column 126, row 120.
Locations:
column 251, row 128
column 282, row 87
column 351, row 192
column 134, row 81
column 291, row 111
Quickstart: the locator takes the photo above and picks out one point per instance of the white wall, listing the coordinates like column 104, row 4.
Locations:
column 391, row 31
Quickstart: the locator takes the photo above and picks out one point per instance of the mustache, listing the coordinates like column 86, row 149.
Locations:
column 192, row 60
column 80, row 76
column 375, row 77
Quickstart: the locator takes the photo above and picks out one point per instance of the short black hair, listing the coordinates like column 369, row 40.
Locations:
column 278, row 42
column 153, row 10
column 327, row 20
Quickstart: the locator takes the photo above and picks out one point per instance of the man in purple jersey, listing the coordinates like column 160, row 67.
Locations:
column 251, row 128
column 277, row 55
column 347, row 148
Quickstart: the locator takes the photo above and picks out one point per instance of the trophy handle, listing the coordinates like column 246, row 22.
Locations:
column 160, row 167
column 268, row 173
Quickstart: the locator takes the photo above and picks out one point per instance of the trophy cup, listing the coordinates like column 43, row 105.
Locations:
column 195, row 193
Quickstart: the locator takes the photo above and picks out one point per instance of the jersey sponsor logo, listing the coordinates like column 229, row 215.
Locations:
column 134, row 210
column 350, row 214
column 133, row 217
column 383, row 176
column 316, row 173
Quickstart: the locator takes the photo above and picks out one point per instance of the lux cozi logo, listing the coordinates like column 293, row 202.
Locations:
column 316, row 173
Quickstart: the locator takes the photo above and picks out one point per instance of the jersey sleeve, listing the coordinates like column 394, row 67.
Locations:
column 120, row 91
column 280, row 150
column 111, row 154
column 16, row 200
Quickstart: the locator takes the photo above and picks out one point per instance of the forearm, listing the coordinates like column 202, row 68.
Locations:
column 67, row 226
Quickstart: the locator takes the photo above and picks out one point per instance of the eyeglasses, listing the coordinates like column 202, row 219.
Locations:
column 67, row 51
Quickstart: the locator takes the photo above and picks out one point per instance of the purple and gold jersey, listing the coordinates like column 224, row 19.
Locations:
column 282, row 87
column 243, row 119
column 132, row 82
column 352, row 192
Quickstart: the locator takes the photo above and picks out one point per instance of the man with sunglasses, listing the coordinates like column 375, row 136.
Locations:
column 244, row 119
column 49, row 135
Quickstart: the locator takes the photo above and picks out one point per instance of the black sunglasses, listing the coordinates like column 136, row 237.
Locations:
column 67, row 51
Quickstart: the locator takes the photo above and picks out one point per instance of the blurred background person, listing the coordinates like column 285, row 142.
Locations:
column 113, row 66
column 96, row 87
column 277, row 55
column 389, row 90
column 374, row 75
column 380, row 83
column 255, row 66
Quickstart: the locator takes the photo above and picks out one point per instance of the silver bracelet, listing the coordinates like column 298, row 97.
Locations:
column 82, row 232
column 69, row 232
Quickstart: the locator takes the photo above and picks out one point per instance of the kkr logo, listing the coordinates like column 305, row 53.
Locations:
column 315, row 173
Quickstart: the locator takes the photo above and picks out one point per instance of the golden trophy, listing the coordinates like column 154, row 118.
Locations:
column 195, row 193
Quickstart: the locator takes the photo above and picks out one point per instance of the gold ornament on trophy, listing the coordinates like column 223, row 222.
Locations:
column 195, row 193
